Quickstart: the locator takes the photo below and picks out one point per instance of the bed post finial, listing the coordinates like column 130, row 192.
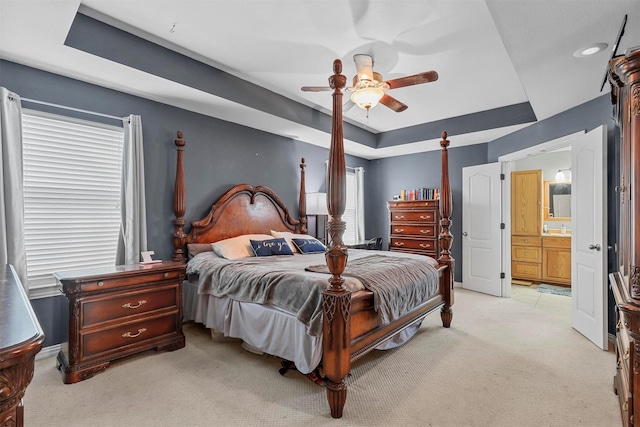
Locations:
column 336, row 300
column 302, row 204
column 179, row 203
column 445, row 238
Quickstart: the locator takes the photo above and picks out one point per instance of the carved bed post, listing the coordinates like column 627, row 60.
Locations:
column 445, row 238
column 303, row 199
column 179, row 204
column 336, row 305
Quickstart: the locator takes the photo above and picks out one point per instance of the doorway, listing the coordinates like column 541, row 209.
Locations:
column 587, row 222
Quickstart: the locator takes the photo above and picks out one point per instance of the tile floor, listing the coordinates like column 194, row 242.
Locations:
column 555, row 305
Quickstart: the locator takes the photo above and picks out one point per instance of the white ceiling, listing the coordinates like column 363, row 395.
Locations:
column 488, row 54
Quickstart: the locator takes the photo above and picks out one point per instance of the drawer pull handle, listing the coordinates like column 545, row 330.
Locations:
column 130, row 335
column 526, row 241
column 399, row 230
column 425, row 231
column 425, row 245
column 526, row 254
column 166, row 275
column 425, row 216
column 399, row 216
column 100, row 283
column 399, row 244
column 128, row 305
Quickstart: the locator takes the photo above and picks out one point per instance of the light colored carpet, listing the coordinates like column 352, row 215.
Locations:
column 504, row 362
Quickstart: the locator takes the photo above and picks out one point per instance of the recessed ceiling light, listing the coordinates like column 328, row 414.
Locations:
column 590, row 50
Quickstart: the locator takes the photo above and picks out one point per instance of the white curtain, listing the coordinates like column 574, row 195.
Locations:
column 133, row 235
column 12, row 249
column 359, row 204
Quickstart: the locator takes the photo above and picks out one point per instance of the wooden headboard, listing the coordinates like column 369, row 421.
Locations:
column 243, row 209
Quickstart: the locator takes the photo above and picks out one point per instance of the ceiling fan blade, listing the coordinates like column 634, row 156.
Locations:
column 315, row 88
column 416, row 79
column 393, row 103
column 364, row 66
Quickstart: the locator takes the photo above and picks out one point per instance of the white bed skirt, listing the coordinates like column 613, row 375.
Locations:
column 264, row 328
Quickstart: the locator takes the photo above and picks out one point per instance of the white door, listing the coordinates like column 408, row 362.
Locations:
column 588, row 235
column 481, row 233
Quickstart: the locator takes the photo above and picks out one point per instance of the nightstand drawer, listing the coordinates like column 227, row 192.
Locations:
column 97, row 310
column 150, row 277
column 414, row 230
column 422, row 244
column 422, row 216
column 131, row 334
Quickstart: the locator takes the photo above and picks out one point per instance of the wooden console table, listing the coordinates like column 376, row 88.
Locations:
column 21, row 339
column 118, row 311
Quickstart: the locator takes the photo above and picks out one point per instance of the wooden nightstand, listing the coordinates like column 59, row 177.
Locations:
column 118, row 311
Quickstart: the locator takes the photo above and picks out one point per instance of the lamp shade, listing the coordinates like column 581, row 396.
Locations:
column 317, row 204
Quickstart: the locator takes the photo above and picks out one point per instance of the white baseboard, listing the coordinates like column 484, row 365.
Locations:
column 50, row 351
column 457, row 284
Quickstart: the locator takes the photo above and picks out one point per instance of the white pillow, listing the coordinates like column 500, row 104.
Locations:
column 288, row 236
column 237, row 247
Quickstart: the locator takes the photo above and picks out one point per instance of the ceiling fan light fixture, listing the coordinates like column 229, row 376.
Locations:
column 367, row 97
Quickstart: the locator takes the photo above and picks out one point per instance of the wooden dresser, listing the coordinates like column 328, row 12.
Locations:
column 115, row 312
column 20, row 340
column 414, row 227
column 624, row 78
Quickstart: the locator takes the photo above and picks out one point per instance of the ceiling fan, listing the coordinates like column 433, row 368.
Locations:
column 369, row 88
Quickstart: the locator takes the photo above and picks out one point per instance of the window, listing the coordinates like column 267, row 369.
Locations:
column 72, row 181
column 354, row 209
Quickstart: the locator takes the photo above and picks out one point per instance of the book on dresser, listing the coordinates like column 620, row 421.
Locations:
column 414, row 226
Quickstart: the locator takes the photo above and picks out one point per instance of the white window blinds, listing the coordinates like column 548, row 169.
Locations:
column 72, row 177
column 349, row 216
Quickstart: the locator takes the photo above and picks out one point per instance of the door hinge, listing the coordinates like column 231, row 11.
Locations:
column 502, row 276
column 502, row 226
column 501, row 177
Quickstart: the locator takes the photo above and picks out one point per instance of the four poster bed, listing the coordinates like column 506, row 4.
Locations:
column 346, row 311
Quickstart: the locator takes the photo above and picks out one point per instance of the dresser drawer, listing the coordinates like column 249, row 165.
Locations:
column 526, row 270
column 104, row 308
column 414, row 230
column 131, row 334
column 526, row 253
column 422, row 244
column 526, row 240
column 427, row 216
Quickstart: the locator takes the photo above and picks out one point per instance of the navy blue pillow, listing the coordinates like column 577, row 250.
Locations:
column 308, row 246
column 271, row 247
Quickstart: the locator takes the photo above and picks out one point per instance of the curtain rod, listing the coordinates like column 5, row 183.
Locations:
column 71, row 108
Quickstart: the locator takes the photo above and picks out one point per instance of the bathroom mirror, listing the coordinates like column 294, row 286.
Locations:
column 557, row 198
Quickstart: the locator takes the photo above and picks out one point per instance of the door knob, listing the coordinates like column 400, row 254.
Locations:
column 464, row 233
column 596, row 247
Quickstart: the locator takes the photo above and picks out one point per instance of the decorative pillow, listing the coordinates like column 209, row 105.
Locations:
column 288, row 236
column 195, row 248
column 237, row 247
column 308, row 246
column 271, row 247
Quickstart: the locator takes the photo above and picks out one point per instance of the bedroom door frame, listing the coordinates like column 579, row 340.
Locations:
column 507, row 162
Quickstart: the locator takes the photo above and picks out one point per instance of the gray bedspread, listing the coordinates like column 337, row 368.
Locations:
column 283, row 282
column 398, row 283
